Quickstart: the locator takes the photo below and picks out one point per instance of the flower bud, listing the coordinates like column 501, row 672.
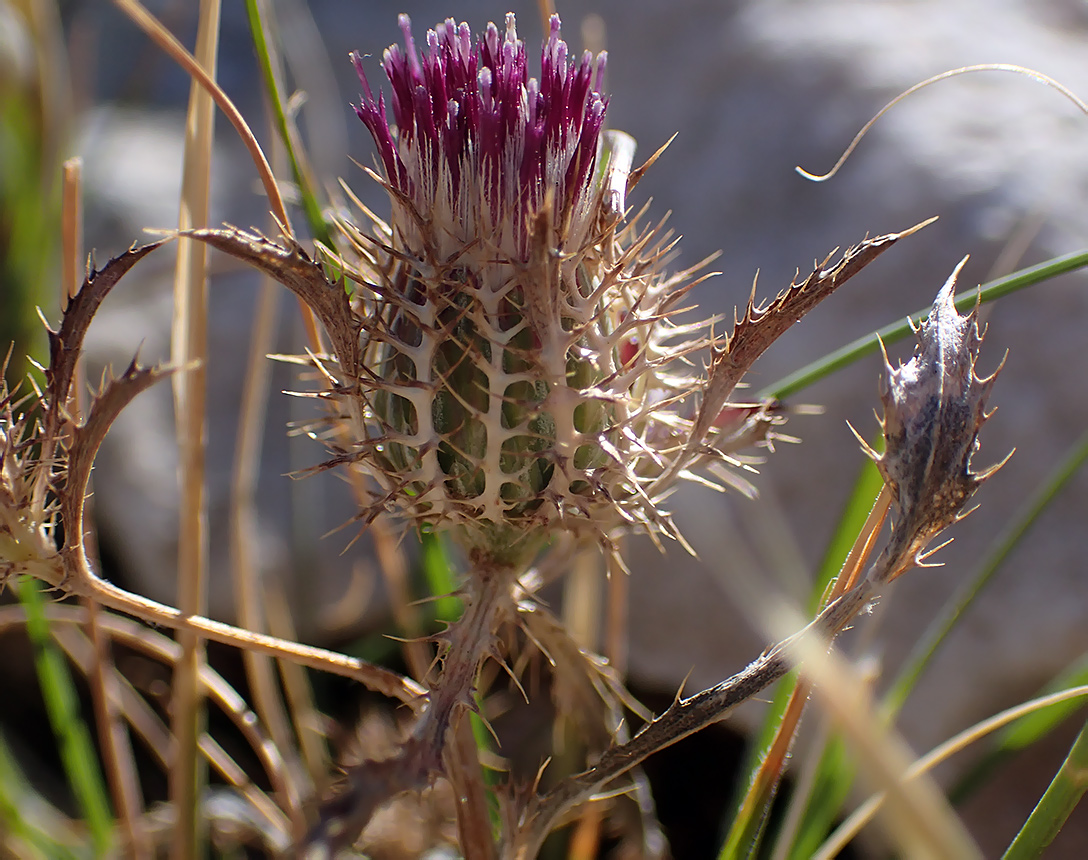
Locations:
column 934, row 406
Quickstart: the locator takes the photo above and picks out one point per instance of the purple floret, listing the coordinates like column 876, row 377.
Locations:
column 465, row 107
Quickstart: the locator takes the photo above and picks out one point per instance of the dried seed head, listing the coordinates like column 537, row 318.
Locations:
column 934, row 406
column 26, row 515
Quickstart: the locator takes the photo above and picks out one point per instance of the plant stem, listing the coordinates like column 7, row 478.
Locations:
column 746, row 829
column 468, row 643
column 74, row 741
column 870, row 343
column 683, row 718
column 1056, row 804
column 189, row 345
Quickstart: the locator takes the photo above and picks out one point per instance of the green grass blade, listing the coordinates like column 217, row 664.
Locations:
column 311, row 206
column 870, row 343
column 1056, row 804
column 824, row 804
column 746, row 828
column 27, row 231
column 441, row 582
column 18, row 821
column 835, row 774
column 73, row 738
column 1025, row 731
column 999, row 551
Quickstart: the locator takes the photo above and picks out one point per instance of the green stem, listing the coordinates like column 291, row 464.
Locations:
column 870, row 343
column 1056, row 804
column 299, row 171
column 1013, row 533
column 441, row 580
column 73, row 739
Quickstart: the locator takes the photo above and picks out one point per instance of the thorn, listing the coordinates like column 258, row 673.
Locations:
column 988, row 472
column 680, row 690
column 635, row 175
column 866, row 448
column 510, row 672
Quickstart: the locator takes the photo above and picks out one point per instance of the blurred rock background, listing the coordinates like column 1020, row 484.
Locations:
column 753, row 89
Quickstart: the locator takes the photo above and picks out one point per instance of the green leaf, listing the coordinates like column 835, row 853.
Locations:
column 76, row 749
column 1055, row 806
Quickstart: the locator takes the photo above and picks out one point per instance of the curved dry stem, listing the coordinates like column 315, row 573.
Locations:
column 72, row 573
column 173, row 48
column 951, row 73
column 683, row 718
column 157, row 737
column 117, row 760
column 67, row 620
column 72, row 570
column 176, row 51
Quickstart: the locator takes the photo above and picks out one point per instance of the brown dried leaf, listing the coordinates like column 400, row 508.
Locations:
column 66, row 343
column 762, row 325
column 293, row 267
column 108, row 403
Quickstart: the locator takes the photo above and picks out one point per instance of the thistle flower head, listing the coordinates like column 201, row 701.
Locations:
column 27, row 516
column 518, row 348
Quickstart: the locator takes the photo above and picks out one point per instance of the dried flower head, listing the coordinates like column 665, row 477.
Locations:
column 27, row 512
column 934, row 407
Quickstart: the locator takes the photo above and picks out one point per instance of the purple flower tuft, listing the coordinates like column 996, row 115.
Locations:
column 477, row 144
